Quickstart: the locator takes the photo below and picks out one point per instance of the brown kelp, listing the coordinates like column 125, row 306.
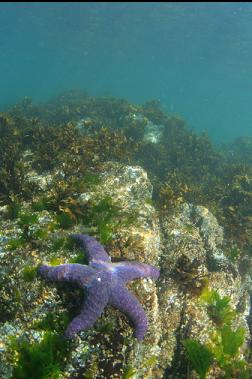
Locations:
column 52, row 161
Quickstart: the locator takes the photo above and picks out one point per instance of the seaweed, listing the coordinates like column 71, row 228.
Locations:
column 72, row 136
column 183, row 166
column 13, row 209
column 129, row 372
column 53, row 322
column 28, row 222
column 64, row 220
column 11, row 167
column 224, row 343
column 231, row 340
column 223, row 349
column 218, row 308
column 29, row 273
column 64, row 243
column 106, row 216
column 199, row 356
column 39, row 360
column 80, row 257
column 15, row 243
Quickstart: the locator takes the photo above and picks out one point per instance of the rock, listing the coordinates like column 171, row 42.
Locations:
column 130, row 188
column 192, row 241
column 187, row 246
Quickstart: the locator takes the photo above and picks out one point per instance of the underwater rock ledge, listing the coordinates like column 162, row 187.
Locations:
column 187, row 245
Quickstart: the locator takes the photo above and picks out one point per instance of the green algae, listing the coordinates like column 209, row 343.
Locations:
column 64, row 220
column 223, row 345
column 151, row 361
column 39, row 360
column 182, row 167
column 218, row 308
column 129, row 372
column 105, row 217
column 199, row 356
column 39, row 204
column 231, row 339
column 53, row 322
column 55, row 261
column 105, row 327
column 14, row 209
column 29, row 273
column 80, row 257
column 28, row 222
column 222, row 348
column 64, row 243
column 16, row 243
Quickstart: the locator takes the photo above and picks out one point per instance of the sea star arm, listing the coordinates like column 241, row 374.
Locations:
column 96, row 300
column 127, row 271
column 68, row 272
column 127, row 303
column 94, row 249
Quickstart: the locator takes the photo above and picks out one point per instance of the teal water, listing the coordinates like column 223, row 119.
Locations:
column 194, row 58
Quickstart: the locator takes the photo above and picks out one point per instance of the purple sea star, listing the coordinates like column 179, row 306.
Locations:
column 105, row 283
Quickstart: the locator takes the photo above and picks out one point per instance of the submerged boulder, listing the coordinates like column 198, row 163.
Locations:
column 187, row 245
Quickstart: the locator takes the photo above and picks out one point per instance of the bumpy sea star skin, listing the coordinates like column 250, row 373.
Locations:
column 104, row 283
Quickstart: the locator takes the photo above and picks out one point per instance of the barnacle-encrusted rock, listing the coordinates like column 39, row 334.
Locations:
column 108, row 353
column 186, row 245
column 192, row 242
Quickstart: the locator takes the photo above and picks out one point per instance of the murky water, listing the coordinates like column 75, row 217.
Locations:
column 194, row 58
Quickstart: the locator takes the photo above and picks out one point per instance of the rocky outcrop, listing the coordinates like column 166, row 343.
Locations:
column 187, row 245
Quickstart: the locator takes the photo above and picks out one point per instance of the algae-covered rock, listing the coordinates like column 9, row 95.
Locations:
column 194, row 264
column 105, row 350
column 187, row 246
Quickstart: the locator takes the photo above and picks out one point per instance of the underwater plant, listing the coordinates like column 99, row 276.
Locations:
column 223, row 346
column 39, row 360
column 29, row 273
column 218, row 308
column 74, row 132
column 69, row 140
column 11, row 167
column 199, row 356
